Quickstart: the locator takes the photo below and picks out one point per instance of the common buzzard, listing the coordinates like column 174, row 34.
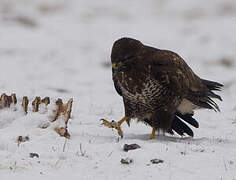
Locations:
column 158, row 88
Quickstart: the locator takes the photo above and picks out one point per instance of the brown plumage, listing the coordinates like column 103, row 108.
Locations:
column 158, row 87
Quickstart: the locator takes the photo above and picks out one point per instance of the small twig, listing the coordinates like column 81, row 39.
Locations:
column 13, row 167
column 226, row 169
column 109, row 155
column 81, row 150
column 54, row 149
column 64, row 146
column 118, row 140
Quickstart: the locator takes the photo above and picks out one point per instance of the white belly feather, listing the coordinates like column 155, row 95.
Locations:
column 186, row 107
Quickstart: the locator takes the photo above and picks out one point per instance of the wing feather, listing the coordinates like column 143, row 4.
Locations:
column 172, row 71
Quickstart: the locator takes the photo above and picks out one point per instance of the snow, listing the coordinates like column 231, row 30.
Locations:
column 61, row 48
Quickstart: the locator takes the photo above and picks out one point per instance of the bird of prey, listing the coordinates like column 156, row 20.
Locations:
column 158, row 88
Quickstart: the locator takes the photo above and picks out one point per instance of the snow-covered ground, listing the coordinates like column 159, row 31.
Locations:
column 61, row 48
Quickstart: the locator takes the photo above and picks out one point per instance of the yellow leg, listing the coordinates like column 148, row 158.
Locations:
column 122, row 120
column 115, row 125
column 119, row 124
column 153, row 134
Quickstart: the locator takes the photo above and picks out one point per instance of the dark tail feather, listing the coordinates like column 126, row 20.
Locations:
column 211, row 85
column 213, row 104
column 180, row 127
column 204, row 105
column 208, row 104
column 189, row 119
column 213, row 95
column 170, row 131
column 205, row 100
column 177, row 125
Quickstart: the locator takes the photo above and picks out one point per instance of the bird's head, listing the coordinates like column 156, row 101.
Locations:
column 123, row 52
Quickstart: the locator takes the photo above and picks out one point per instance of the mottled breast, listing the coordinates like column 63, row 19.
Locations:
column 141, row 99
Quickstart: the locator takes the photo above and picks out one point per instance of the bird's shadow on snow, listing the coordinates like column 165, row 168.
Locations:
column 188, row 140
column 145, row 137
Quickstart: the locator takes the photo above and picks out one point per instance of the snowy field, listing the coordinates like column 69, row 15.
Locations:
column 61, row 48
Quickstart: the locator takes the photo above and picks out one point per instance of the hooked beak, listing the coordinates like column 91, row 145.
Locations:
column 114, row 65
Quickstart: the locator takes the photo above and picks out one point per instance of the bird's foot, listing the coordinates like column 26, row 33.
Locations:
column 113, row 124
